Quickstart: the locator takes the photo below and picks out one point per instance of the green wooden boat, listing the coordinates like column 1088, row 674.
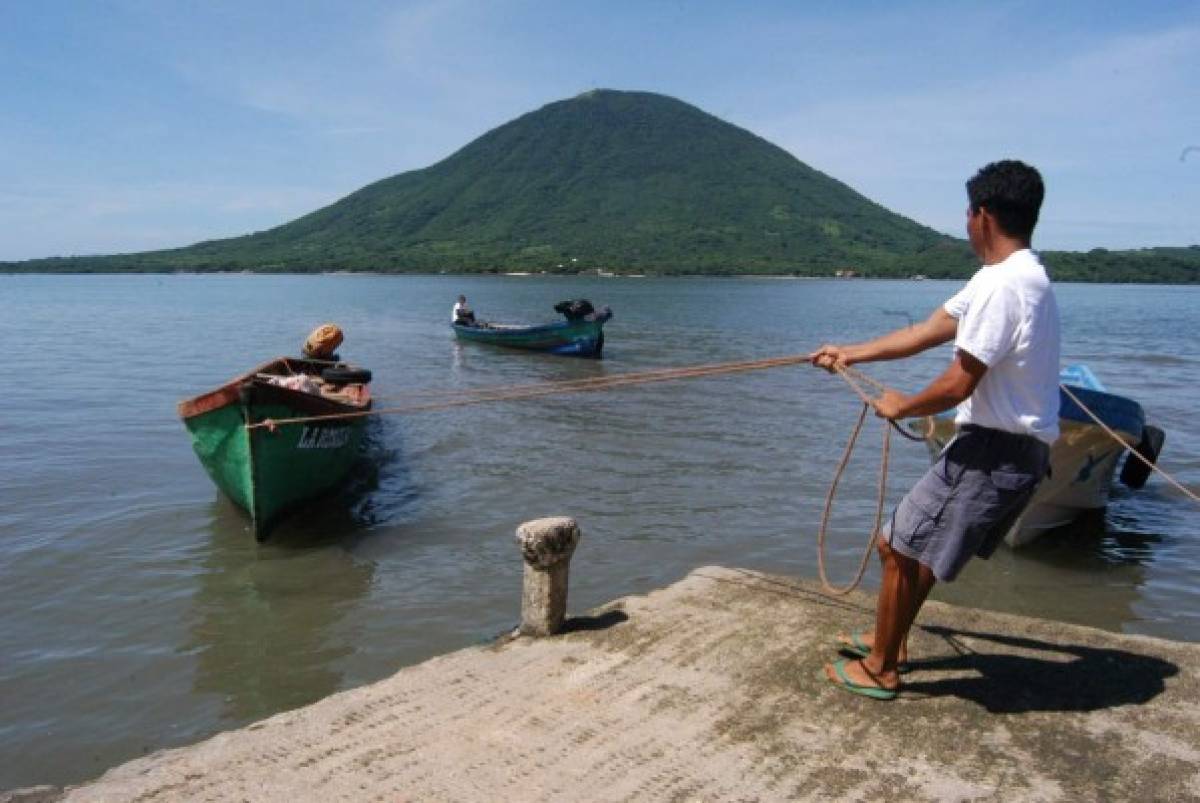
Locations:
column 270, row 470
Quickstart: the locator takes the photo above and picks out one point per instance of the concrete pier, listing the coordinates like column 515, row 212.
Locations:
column 712, row 690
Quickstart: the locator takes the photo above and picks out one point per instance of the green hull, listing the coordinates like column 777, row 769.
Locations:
column 265, row 472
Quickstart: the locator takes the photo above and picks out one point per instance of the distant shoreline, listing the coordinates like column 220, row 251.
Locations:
column 574, row 276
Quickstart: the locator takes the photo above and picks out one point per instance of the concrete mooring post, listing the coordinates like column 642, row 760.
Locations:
column 547, row 546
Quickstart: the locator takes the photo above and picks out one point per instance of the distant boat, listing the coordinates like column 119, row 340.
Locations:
column 1084, row 458
column 268, row 471
column 580, row 335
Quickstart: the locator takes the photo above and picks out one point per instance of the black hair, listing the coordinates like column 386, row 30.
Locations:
column 1012, row 191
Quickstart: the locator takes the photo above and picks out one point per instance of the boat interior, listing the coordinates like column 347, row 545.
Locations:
column 329, row 380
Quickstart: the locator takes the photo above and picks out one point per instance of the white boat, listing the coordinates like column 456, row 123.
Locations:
column 1083, row 460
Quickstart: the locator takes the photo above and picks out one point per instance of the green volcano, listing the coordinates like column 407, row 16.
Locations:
column 618, row 180
column 623, row 181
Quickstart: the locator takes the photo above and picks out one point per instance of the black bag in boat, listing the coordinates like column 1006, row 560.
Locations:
column 575, row 308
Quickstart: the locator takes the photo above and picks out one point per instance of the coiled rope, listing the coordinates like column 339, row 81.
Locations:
column 837, row 476
column 853, row 378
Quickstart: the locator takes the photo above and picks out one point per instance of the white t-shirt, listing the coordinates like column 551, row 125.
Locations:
column 459, row 306
column 1008, row 320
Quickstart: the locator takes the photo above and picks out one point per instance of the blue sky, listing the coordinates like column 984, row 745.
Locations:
column 136, row 124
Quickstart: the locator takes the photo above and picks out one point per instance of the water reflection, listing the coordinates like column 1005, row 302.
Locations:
column 265, row 619
column 1094, row 540
column 270, row 619
column 1087, row 572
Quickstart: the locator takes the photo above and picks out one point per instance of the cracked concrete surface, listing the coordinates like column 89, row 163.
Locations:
column 711, row 689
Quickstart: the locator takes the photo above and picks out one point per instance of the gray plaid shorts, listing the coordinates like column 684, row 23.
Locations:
column 968, row 499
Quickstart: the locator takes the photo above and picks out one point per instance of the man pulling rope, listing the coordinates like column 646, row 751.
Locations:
column 1004, row 380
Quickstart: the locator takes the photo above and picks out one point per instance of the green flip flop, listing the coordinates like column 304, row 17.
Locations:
column 874, row 692
column 855, row 646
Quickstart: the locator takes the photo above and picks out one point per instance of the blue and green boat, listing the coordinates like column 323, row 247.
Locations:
column 1084, row 459
column 580, row 335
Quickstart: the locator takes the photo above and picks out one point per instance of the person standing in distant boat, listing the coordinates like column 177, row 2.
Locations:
column 1004, row 379
column 462, row 314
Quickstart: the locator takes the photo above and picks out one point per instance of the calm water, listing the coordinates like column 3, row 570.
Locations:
column 137, row 612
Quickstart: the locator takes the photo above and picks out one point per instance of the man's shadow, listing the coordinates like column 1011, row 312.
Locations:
column 603, row 621
column 1073, row 678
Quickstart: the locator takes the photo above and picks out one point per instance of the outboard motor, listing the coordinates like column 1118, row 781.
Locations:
column 1135, row 473
column 575, row 309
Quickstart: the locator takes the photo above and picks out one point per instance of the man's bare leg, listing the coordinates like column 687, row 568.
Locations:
column 903, row 588
column 868, row 639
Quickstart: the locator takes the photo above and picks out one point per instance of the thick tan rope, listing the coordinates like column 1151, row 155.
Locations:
column 853, row 377
column 463, row 398
column 442, row 400
column 883, row 468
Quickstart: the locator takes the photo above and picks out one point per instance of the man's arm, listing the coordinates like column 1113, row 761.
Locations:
column 954, row 385
column 938, row 328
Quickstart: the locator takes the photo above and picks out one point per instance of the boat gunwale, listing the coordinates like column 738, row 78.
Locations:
column 229, row 393
column 1115, row 405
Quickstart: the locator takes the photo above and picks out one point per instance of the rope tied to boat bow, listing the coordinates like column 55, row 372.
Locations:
column 444, row 400
column 856, row 379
